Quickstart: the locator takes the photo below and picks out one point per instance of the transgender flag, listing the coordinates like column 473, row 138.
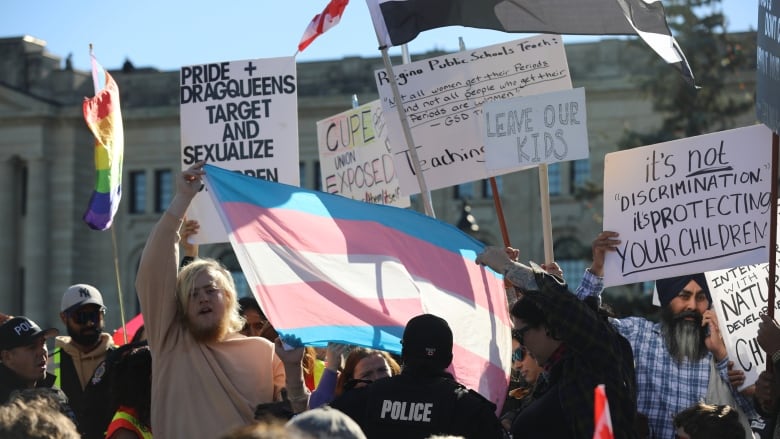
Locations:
column 327, row 268
column 104, row 119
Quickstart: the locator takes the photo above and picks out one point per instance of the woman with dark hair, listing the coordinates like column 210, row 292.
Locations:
column 131, row 391
column 362, row 367
column 578, row 349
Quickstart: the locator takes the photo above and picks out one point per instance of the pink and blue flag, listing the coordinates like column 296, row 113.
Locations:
column 326, row 268
column 104, row 119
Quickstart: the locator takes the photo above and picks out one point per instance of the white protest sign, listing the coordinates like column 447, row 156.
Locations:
column 443, row 100
column 688, row 206
column 241, row 116
column 355, row 157
column 738, row 296
column 528, row 130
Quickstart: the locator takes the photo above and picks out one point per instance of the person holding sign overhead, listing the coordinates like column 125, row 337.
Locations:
column 682, row 359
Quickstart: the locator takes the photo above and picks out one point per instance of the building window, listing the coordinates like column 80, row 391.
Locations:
column 464, row 191
column 302, row 174
column 487, row 188
column 572, row 257
column 554, row 178
column 137, row 192
column 580, row 174
column 163, row 180
column 317, row 176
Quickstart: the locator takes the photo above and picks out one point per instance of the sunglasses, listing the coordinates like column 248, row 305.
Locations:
column 517, row 334
column 84, row 317
column 518, row 354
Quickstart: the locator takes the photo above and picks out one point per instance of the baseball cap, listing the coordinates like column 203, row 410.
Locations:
column 428, row 337
column 21, row 331
column 326, row 422
column 80, row 295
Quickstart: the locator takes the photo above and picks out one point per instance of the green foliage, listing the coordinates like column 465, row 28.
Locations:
column 714, row 56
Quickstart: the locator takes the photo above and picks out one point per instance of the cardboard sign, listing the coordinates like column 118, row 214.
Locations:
column 688, row 206
column 242, row 116
column 355, row 157
column 529, row 130
column 443, row 99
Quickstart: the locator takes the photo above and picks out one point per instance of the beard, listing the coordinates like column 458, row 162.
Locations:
column 85, row 337
column 208, row 333
column 683, row 338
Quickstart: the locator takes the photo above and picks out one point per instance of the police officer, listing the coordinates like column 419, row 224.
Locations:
column 23, row 356
column 424, row 399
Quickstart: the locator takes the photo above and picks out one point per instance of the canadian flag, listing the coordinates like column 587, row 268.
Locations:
column 603, row 422
column 329, row 17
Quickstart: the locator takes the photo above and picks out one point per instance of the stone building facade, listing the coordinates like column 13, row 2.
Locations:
column 47, row 171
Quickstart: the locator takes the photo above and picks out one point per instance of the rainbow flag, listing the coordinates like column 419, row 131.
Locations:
column 327, row 268
column 104, row 119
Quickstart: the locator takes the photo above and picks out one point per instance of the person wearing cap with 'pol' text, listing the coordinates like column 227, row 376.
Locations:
column 78, row 358
column 23, row 356
column 424, row 399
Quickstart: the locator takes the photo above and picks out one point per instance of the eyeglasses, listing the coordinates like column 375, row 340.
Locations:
column 84, row 317
column 518, row 354
column 517, row 334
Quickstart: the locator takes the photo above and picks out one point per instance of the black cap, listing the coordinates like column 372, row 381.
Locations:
column 428, row 337
column 21, row 331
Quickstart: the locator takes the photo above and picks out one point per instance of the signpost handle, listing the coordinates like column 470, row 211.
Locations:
column 499, row 211
column 770, row 309
column 544, row 197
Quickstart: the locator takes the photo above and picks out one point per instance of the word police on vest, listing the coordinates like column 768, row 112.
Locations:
column 417, row 411
column 21, row 331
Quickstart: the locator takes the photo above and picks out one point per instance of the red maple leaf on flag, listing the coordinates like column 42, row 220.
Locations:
column 329, row 17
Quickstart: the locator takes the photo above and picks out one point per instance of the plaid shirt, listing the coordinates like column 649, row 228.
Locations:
column 664, row 387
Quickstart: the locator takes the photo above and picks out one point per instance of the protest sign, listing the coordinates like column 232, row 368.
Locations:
column 241, row 116
column 529, row 130
column 688, row 206
column 768, row 64
column 443, row 99
column 355, row 157
column 739, row 295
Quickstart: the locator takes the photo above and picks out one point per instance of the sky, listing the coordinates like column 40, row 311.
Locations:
column 168, row 34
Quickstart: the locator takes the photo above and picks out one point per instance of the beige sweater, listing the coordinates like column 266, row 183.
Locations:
column 199, row 390
column 85, row 363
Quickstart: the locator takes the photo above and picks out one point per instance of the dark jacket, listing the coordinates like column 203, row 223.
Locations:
column 417, row 405
column 10, row 382
column 595, row 354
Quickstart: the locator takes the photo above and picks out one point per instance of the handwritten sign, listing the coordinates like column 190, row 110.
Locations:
column 355, row 157
column 688, row 206
column 768, row 64
column 529, row 130
column 738, row 296
column 443, row 99
column 242, row 116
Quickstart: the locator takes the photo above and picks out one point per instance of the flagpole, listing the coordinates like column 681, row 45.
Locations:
column 424, row 193
column 113, row 233
column 770, row 309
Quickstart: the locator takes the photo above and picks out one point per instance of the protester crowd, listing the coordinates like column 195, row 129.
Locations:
column 211, row 364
